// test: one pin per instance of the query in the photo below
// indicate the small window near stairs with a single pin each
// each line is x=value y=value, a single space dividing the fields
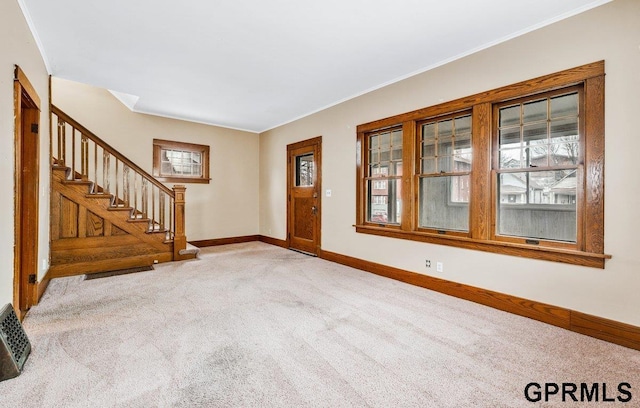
x=178 y=162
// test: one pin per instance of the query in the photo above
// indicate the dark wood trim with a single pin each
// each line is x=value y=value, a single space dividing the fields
x=608 y=330
x=605 y=329
x=480 y=224
x=26 y=191
x=282 y=243
x=26 y=84
x=568 y=256
x=594 y=166
x=159 y=144
x=224 y=241
x=274 y=241
x=520 y=89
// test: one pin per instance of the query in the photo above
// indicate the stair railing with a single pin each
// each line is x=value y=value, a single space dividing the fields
x=92 y=159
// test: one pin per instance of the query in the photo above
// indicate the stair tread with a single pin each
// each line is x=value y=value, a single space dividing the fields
x=77 y=182
x=114 y=208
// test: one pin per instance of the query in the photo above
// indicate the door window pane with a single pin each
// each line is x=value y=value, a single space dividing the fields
x=304 y=170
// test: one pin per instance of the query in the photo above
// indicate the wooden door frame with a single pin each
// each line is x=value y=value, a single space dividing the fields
x=317 y=141
x=26 y=206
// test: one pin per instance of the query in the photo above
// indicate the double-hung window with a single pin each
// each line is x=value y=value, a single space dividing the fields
x=384 y=176
x=539 y=167
x=516 y=170
x=444 y=173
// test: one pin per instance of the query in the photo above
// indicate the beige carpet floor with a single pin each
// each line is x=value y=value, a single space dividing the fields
x=253 y=325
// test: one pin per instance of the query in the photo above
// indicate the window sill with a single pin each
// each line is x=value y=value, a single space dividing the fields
x=568 y=256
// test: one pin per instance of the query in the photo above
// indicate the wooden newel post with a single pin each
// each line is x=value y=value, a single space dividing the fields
x=179 y=237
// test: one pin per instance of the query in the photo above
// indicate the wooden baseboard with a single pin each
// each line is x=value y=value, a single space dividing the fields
x=274 y=241
x=236 y=240
x=224 y=241
x=609 y=330
x=42 y=286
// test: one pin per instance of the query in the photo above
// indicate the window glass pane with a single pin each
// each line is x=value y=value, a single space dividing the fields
x=564 y=154
x=463 y=141
x=564 y=129
x=534 y=111
x=463 y=125
x=537 y=131
x=536 y=156
x=397 y=153
x=429 y=131
x=384 y=201
x=565 y=105
x=444 y=203
x=429 y=148
x=385 y=140
x=538 y=205
x=304 y=170
x=374 y=156
x=444 y=164
x=444 y=145
x=510 y=137
x=510 y=116
x=196 y=157
x=397 y=139
x=510 y=159
x=373 y=142
x=445 y=128
x=462 y=162
x=428 y=166
x=166 y=168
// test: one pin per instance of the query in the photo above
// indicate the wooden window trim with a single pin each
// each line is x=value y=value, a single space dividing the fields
x=159 y=144
x=589 y=252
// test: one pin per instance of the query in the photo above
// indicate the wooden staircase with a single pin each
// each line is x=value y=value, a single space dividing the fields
x=128 y=220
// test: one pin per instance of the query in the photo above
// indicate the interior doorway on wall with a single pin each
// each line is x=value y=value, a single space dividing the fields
x=27 y=148
x=304 y=186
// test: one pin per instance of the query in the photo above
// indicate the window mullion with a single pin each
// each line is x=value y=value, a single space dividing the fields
x=408 y=165
x=480 y=205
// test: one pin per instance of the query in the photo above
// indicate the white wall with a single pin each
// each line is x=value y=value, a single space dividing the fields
x=18 y=47
x=611 y=33
x=227 y=206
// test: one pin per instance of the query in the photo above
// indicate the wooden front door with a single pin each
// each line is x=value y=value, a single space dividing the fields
x=27 y=148
x=303 y=189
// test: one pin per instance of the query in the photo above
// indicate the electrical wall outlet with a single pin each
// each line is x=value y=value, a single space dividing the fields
x=427 y=263
x=439 y=266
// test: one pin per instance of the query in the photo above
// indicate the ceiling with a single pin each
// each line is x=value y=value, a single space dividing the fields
x=254 y=65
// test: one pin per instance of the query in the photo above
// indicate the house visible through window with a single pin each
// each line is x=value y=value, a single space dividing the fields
x=180 y=162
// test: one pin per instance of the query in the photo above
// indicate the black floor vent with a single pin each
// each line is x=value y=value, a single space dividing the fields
x=14 y=344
